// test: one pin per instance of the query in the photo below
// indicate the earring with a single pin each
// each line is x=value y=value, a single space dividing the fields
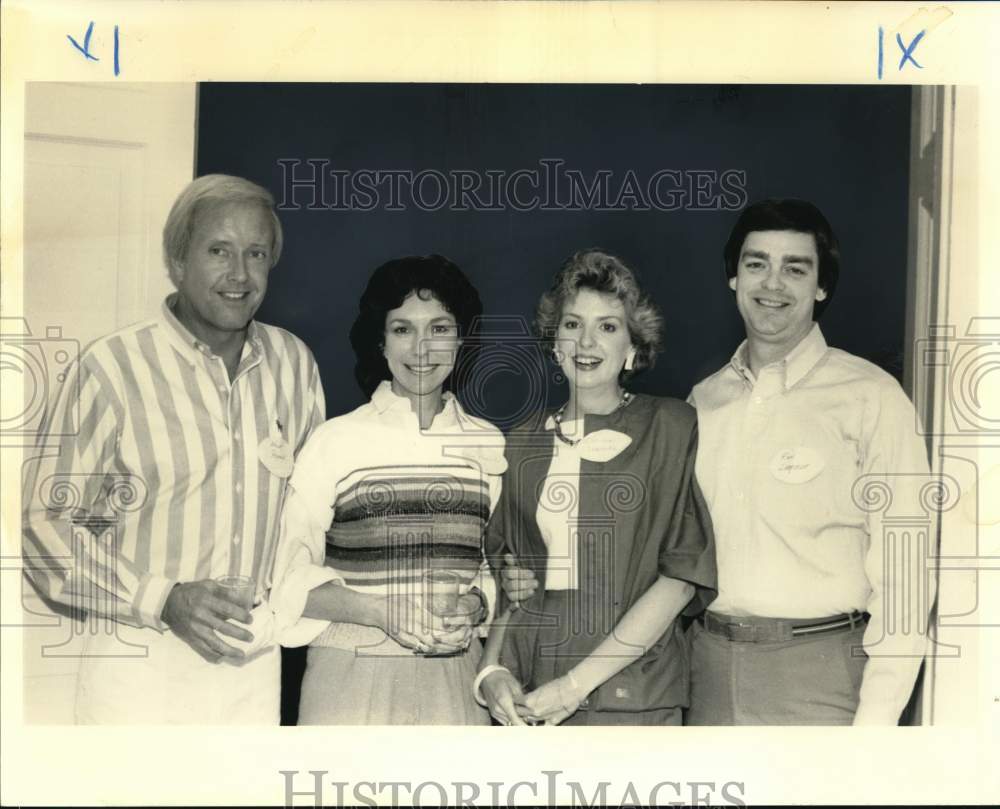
x=630 y=360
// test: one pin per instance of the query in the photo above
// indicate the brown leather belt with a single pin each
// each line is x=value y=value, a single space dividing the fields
x=751 y=629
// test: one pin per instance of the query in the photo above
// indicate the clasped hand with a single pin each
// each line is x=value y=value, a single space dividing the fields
x=198 y=612
x=407 y=622
x=549 y=704
x=554 y=702
x=519 y=583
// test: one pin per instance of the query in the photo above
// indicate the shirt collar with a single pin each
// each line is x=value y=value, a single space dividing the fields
x=796 y=363
x=738 y=362
x=386 y=401
x=191 y=346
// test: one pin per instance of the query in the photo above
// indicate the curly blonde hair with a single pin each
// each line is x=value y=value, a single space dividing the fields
x=600 y=271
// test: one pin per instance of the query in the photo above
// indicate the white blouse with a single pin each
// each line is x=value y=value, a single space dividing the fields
x=559 y=508
x=559 y=500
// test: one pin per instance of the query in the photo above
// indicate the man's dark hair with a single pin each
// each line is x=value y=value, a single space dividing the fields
x=789 y=214
x=431 y=276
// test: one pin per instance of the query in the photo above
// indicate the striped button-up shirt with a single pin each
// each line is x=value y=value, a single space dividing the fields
x=162 y=470
x=816 y=478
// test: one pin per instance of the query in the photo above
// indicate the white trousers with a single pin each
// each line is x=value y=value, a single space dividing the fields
x=141 y=676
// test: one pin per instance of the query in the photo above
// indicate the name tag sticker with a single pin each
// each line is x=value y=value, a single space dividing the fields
x=796 y=465
x=490 y=459
x=603 y=445
x=276 y=454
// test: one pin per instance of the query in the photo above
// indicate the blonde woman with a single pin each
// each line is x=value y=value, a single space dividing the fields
x=602 y=507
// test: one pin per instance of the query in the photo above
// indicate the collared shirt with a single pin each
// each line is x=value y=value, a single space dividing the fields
x=375 y=500
x=797 y=464
x=171 y=458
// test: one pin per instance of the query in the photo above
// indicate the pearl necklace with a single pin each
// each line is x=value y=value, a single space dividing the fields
x=558 y=417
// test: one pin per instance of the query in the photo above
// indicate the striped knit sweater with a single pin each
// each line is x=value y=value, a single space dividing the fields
x=391 y=523
x=375 y=502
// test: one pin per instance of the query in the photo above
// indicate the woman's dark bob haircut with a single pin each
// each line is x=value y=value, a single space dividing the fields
x=431 y=276
x=789 y=214
x=602 y=272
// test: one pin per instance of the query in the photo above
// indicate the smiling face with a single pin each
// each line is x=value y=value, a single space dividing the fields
x=223 y=277
x=421 y=341
x=777 y=285
x=594 y=340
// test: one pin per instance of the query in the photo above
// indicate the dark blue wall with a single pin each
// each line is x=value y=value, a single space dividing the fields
x=844 y=148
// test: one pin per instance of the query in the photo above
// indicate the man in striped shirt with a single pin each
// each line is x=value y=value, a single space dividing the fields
x=188 y=426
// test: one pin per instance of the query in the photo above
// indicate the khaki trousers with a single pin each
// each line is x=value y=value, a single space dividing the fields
x=809 y=680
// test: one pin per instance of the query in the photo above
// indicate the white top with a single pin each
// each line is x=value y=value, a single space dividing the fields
x=559 y=509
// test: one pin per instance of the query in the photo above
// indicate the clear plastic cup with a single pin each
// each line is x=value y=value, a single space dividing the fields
x=440 y=592
x=238 y=589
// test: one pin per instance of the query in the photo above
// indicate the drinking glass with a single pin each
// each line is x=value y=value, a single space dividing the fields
x=238 y=589
x=440 y=592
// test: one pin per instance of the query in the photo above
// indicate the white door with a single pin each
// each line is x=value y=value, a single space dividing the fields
x=954 y=337
x=103 y=163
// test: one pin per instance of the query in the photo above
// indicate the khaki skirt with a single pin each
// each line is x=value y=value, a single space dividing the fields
x=341 y=687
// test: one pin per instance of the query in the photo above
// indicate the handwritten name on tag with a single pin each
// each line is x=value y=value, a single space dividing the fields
x=276 y=455
x=490 y=460
x=796 y=465
x=598 y=447
x=603 y=445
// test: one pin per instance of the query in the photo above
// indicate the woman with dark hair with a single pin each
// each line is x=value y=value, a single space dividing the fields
x=380 y=568
x=602 y=507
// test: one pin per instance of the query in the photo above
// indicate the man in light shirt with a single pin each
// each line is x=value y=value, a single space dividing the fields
x=821 y=616
x=174 y=477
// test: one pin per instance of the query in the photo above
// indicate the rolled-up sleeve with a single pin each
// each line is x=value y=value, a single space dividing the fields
x=298 y=568
x=687 y=551
x=299 y=563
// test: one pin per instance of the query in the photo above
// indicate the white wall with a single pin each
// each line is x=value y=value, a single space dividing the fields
x=102 y=166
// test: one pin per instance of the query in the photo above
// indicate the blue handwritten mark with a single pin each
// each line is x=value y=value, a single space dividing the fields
x=85 y=50
x=117 y=69
x=908 y=51
x=880 y=35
